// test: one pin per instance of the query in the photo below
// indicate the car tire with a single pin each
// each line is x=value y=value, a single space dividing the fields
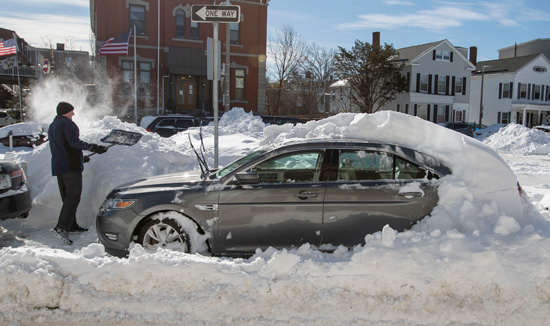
x=174 y=232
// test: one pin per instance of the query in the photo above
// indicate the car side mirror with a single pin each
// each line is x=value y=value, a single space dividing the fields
x=247 y=178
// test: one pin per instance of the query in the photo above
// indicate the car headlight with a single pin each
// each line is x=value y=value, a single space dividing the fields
x=118 y=203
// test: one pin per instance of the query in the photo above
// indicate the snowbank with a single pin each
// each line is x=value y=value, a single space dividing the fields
x=466 y=264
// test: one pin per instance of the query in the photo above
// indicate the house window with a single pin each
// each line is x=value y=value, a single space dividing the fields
x=506 y=90
x=443 y=55
x=441 y=85
x=235 y=33
x=458 y=115
x=440 y=113
x=422 y=111
x=536 y=92
x=523 y=91
x=180 y=23
x=239 y=84
x=145 y=72
x=127 y=76
x=458 y=86
x=504 y=117
x=194 y=31
x=424 y=83
x=137 y=18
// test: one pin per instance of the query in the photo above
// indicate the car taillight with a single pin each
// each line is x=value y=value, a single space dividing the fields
x=147 y=129
x=16 y=173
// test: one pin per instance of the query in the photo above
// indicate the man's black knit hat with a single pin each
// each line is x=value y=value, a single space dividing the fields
x=64 y=108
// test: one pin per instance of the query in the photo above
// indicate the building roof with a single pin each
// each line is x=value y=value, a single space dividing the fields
x=505 y=65
x=538 y=40
x=412 y=52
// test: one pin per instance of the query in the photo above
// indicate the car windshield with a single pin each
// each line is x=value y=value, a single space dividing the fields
x=235 y=164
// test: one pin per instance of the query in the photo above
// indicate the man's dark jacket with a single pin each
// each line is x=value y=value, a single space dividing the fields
x=66 y=146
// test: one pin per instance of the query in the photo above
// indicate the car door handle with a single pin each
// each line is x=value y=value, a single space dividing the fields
x=305 y=194
x=411 y=194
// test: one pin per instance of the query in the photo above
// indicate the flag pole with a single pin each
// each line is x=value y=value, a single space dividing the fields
x=135 y=78
x=18 y=76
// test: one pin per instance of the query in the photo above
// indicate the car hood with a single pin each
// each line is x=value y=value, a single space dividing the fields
x=165 y=182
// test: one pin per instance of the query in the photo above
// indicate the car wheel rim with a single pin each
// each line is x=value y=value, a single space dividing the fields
x=164 y=236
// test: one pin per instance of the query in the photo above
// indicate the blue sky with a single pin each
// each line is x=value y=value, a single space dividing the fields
x=489 y=25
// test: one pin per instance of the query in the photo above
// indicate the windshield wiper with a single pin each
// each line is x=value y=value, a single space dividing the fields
x=205 y=171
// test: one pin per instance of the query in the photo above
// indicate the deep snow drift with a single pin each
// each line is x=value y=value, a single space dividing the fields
x=467 y=264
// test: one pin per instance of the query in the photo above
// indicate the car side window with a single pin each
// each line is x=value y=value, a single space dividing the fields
x=166 y=123
x=291 y=168
x=406 y=170
x=364 y=165
x=184 y=123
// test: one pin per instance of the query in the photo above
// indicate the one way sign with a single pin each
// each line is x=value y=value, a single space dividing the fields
x=219 y=14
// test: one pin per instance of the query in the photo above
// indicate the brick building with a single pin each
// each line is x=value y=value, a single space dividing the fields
x=171 y=55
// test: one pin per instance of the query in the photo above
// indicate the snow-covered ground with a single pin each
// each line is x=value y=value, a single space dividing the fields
x=467 y=264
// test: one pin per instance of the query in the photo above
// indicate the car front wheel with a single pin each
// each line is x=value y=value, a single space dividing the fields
x=164 y=233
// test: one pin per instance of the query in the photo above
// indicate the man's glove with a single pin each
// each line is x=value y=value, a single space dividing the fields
x=98 y=149
x=86 y=159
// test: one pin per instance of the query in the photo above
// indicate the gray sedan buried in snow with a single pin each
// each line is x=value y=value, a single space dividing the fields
x=325 y=193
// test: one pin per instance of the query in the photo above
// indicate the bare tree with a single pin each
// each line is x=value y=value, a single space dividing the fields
x=286 y=50
x=318 y=69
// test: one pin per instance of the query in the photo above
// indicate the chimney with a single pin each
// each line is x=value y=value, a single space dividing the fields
x=473 y=55
x=376 y=38
x=60 y=47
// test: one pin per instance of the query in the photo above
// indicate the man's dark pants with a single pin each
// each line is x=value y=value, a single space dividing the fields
x=70 y=188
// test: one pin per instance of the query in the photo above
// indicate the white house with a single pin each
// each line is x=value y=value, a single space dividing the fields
x=438 y=76
x=515 y=89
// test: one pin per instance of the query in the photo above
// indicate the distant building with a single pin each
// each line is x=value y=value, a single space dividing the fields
x=438 y=75
x=515 y=89
x=171 y=55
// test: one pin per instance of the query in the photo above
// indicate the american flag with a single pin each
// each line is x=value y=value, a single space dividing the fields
x=8 y=47
x=117 y=45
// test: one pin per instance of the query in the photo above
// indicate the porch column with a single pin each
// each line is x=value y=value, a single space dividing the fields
x=524 y=117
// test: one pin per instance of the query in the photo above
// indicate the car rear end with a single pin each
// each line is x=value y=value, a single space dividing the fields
x=15 y=195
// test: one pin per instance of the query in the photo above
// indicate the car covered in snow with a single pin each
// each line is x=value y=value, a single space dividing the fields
x=15 y=194
x=27 y=134
x=322 y=192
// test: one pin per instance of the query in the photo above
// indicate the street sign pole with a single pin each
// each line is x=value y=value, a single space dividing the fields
x=215 y=93
x=215 y=14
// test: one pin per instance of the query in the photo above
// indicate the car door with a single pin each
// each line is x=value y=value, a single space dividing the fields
x=284 y=210
x=373 y=189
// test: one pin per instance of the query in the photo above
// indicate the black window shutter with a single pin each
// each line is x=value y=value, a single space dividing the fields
x=406 y=108
x=429 y=84
x=511 y=90
x=453 y=84
x=528 y=91
x=436 y=85
x=463 y=85
x=519 y=90
x=447 y=78
x=499 y=90
x=416 y=110
x=418 y=83
x=498 y=118
x=451 y=56
x=428 y=113
x=447 y=112
x=434 y=54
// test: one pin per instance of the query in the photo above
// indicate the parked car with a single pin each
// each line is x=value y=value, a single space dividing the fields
x=27 y=134
x=326 y=193
x=5 y=118
x=542 y=128
x=169 y=125
x=462 y=127
x=279 y=120
x=15 y=195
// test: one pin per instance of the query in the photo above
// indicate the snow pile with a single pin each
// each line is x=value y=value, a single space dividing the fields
x=469 y=263
x=517 y=139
